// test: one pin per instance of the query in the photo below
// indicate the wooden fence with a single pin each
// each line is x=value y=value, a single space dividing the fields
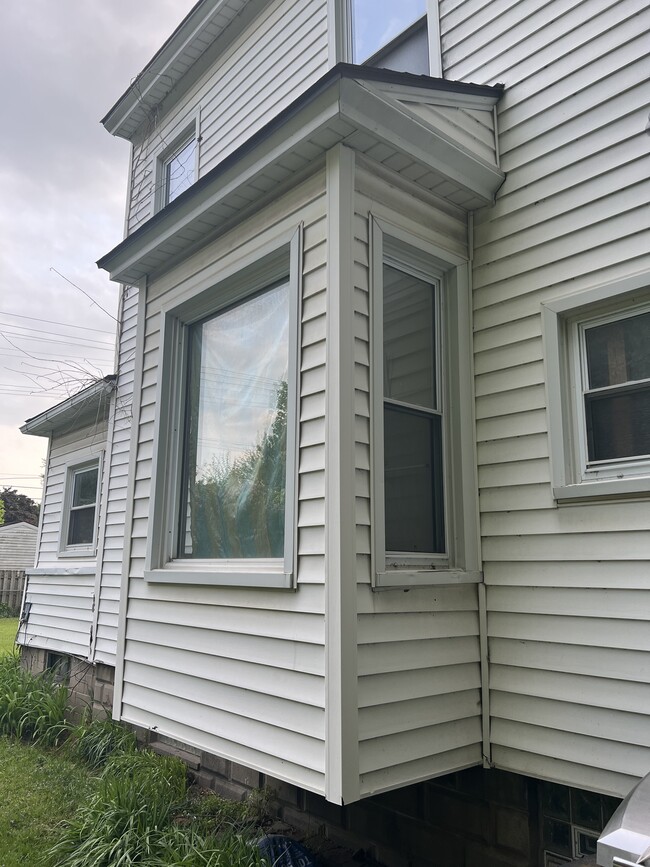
x=12 y=584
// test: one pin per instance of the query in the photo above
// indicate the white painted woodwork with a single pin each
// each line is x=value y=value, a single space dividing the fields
x=282 y=51
x=567 y=587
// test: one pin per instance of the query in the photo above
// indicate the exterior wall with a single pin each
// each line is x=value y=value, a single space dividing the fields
x=419 y=675
x=278 y=56
x=568 y=587
x=116 y=472
x=238 y=672
x=60 y=591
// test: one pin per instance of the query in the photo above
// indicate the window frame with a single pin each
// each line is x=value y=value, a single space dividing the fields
x=461 y=561
x=84 y=549
x=161 y=563
x=341 y=48
x=563 y=325
x=189 y=133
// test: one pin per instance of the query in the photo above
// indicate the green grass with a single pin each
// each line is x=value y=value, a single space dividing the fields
x=8 y=630
x=39 y=790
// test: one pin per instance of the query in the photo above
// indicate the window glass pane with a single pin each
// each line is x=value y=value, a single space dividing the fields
x=179 y=171
x=376 y=22
x=409 y=339
x=81 y=527
x=413 y=481
x=618 y=425
x=618 y=352
x=237 y=424
x=85 y=487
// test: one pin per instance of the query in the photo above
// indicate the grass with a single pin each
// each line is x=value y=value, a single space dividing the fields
x=39 y=791
x=8 y=630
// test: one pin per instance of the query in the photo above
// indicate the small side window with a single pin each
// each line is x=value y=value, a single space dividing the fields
x=597 y=356
x=179 y=170
x=79 y=524
x=376 y=25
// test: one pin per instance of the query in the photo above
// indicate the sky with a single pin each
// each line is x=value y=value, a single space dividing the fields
x=63 y=180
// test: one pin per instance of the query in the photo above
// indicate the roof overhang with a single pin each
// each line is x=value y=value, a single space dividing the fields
x=356 y=106
x=84 y=408
x=200 y=28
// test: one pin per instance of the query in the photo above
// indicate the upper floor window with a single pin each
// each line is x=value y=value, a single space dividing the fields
x=178 y=170
x=79 y=524
x=377 y=23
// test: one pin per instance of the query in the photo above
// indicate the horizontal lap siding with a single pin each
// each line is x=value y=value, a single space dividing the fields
x=240 y=672
x=113 y=542
x=418 y=652
x=568 y=587
x=277 y=57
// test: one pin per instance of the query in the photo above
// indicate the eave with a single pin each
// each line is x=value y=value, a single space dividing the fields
x=86 y=407
x=344 y=107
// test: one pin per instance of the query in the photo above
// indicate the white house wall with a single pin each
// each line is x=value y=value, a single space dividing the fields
x=419 y=672
x=61 y=589
x=275 y=59
x=116 y=470
x=239 y=672
x=568 y=588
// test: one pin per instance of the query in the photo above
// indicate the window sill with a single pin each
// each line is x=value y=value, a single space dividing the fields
x=603 y=489
x=404 y=578
x=79 y=553
x=263 y=576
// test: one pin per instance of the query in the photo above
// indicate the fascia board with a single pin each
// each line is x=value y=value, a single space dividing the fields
x=60 y=416
x=388 y=121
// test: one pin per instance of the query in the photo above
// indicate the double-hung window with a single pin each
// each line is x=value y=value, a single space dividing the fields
x=597 y=355
x=424 y=484
x=225 y=469
x=79 y=525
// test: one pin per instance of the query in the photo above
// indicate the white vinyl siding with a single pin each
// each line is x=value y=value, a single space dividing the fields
x=239 y=672
x=568 y=587
x=61 y=591
x=419 y=674
x=117 y=465
x=275 y=59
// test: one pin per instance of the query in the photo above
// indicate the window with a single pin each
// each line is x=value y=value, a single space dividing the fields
x=598 y=374
x=178 y=170
x=377 y=24
x=225 y=469
x=424 y=489
x=78 y=531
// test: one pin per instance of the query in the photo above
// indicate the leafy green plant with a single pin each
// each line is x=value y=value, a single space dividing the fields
x=98 y=740
x=191 y=848
x=32 y=707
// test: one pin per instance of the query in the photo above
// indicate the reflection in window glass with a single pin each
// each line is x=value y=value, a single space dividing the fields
x=235 y=452
x=413 y=450
x=375 y=23
x=81 y=520
x=179 y=171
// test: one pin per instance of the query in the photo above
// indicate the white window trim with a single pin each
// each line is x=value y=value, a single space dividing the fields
x=78 y=465
x=340 y=34
x=570 y=478
x=189 y=132
x=461 y=563
x=161 y=566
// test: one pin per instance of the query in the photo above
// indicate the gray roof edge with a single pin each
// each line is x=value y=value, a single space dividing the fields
x=45 y=422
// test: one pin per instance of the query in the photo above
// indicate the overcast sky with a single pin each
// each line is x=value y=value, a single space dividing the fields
x=63 y=63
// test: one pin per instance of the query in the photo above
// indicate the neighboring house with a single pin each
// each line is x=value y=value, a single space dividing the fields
x=17 y=546
x=373 y=507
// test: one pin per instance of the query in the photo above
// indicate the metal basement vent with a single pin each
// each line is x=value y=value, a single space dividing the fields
x=625 y=842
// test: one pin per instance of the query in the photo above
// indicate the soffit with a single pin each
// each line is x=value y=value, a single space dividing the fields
x=348 y=107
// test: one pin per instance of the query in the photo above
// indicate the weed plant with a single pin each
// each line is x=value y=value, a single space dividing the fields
x=96 y=741
x=31 y=707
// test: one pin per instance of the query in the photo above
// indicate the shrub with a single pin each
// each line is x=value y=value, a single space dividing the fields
x=32 y=707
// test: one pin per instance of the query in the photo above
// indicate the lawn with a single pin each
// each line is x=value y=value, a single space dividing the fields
x=8 y=630
x=38 y=789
